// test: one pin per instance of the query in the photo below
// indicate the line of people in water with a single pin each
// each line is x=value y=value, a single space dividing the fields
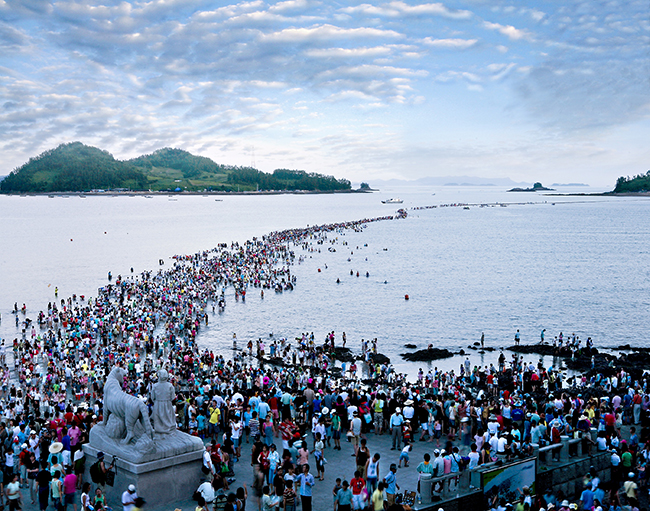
x=154 y=320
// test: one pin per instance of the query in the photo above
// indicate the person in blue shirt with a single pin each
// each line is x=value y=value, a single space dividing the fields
x=390 y=480
x=395 y=425
x=344 y=498
x=305 y=481
x=248 y=415
x=587 y=499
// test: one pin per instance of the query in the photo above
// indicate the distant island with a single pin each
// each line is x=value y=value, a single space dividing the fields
x=76 y=167
x=537 y=187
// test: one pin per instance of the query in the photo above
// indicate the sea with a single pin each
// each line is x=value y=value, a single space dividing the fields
x=484 y=260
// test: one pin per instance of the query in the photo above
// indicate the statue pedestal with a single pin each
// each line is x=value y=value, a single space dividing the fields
x=168 y=473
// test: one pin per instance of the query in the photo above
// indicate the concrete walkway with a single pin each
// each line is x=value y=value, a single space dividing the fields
x=339 y=464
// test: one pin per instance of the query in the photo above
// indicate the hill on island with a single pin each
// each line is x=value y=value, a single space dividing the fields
x=640 y=183
x=76 y=167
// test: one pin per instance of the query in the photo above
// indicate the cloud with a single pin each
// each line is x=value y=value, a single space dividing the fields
x=398 y=8
x=508 y=30
x=325 y=33
x=12 y=38
x=364 y=52
x=459 y=44
x=135 y=75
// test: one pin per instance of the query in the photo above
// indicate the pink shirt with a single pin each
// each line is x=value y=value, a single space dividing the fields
x=69 y=484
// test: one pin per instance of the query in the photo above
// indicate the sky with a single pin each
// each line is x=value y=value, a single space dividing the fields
x=534 y=91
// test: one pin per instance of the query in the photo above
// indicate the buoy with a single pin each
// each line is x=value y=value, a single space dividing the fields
x=318 y=270
x=406 y=297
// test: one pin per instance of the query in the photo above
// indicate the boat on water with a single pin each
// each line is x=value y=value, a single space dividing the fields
x=392 y=201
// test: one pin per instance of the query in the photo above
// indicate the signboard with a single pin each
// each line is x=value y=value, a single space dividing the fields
x=502 y=482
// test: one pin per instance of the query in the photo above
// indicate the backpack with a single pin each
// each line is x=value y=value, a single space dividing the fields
x=96 y=473
x=555 y=435
x=220 y=501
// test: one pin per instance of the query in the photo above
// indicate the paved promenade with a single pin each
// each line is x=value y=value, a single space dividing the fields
x=339 y=464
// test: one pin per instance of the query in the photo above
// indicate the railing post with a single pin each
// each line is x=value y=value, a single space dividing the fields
x=564 y=451
x=535 y=450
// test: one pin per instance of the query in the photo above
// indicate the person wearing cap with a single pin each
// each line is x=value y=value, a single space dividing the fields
x=395 y=425
x=355 y=429
x=630 y=488
x=103 y=469
x=438 y=463
x=128 y=498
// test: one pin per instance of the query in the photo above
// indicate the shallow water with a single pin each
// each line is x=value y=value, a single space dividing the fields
x=580 y=265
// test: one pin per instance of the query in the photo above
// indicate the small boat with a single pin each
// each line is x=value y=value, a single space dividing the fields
x=392 y=201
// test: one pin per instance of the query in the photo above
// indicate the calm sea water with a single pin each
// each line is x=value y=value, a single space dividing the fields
x=565 y=264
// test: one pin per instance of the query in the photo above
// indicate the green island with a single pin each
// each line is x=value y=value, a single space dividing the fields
x=76 y=167
x=638 y=184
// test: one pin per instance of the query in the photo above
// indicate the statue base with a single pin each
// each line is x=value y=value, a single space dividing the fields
x=161 y=481
x=145 y=450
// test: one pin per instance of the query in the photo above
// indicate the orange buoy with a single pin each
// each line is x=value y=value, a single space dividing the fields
x=406 y=297
x=318 y=270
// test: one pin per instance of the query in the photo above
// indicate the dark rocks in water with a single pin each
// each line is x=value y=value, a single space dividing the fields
x=378 y=358
x=550 y=350
x=481 y=350
x=410 y=346
x=477 y=343
x=608 y=365
x=427 y=355
x=343 y=354
x=461 y=352
x=627 y=347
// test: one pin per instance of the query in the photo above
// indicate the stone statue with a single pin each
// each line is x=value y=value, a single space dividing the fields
x=123 y=412
x=127 y=432
x=163 y=395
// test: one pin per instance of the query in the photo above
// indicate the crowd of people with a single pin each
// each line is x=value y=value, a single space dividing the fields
x=291 y=411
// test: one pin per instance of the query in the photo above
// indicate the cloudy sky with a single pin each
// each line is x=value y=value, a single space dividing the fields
x=545 y=90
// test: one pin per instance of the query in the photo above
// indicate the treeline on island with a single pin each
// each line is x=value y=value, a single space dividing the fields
x=76 y=167
x=640 y=183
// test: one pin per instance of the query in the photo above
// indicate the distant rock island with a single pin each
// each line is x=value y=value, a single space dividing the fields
x=76 y=167
x=537 y=187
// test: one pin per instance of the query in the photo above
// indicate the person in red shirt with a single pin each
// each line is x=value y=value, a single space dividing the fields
x=287 y=429
x=357 y=484
x=610 y=421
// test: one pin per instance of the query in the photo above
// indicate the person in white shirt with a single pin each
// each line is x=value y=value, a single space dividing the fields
x=473 y=457
x=206 y=490
x=128 y=498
